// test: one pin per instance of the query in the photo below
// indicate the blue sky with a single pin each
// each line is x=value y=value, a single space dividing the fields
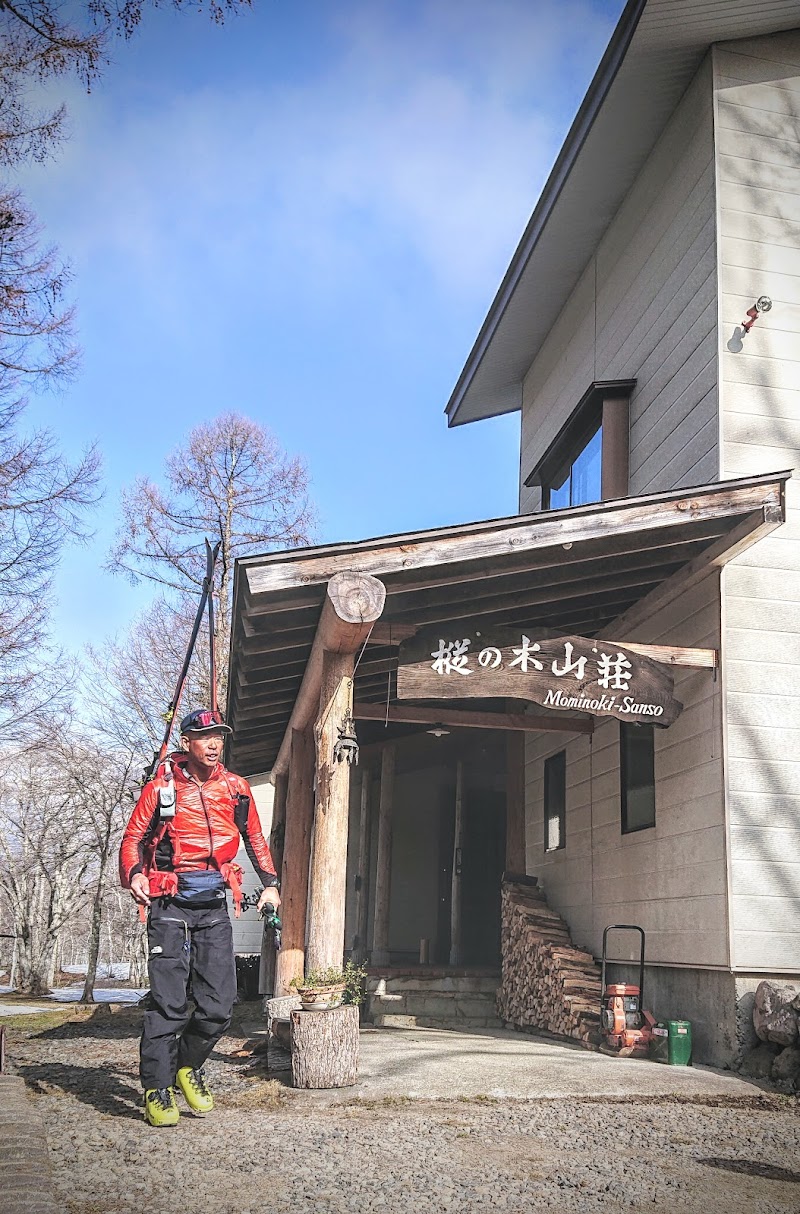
x=304 y=215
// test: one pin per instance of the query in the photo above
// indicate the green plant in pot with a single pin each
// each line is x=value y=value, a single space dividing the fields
x=322 y=989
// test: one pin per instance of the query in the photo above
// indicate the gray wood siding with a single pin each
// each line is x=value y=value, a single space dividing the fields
x=671 y=878
x=757 y=119
x=654 y=317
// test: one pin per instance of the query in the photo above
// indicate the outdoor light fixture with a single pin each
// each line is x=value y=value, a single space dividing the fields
x=762 y=304
x=345 y=748
x=438 y=731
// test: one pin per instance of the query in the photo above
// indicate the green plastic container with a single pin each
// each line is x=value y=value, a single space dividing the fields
x=672 y=1042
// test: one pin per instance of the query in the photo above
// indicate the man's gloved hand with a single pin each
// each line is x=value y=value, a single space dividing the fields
x=140 y=888
x=270 y=894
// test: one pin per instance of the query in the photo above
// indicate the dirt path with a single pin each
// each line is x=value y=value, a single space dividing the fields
x=266 y=1148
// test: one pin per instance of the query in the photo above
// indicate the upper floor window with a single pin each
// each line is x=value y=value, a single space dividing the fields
x=579 y=482
x=588 y=459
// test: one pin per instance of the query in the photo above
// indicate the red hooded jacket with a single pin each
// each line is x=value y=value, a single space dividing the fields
x=210 y=819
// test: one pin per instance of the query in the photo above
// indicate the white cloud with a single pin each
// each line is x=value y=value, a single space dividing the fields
x=428 y=136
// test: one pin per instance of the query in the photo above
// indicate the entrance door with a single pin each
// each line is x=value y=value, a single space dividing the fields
x=482 y=865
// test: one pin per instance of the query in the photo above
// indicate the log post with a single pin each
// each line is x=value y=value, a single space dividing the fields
x=329 y=859
x=296 y=858
x=266 y=970
x=352 y=603
x=515 y=802
x=455 y=889
x=383 y=874
x=362 y=869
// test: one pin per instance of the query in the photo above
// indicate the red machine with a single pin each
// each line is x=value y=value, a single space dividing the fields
x=625 y=1027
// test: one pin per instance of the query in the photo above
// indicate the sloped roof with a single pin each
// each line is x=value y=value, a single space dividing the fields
x=653 y=54
x=575 y=570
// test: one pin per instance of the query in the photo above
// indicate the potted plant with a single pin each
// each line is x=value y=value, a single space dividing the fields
x=322 y=989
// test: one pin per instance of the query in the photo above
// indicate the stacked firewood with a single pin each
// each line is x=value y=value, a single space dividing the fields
x=546 y=982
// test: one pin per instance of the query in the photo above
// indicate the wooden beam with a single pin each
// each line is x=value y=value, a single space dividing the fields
x=484 y=540
x=455 y=883
x=567 y=569
x=412 y=714
x=352 y=604
x=672 y=655
x=515 y=803
x=415 y=585
x=383 y=874
x=266 y=969
x=384 y=632
x=753 y=527
x=296 y=859
x=472 y=602
x=362 y=867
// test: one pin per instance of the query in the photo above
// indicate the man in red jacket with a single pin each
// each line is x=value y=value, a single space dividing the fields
x=175 y=858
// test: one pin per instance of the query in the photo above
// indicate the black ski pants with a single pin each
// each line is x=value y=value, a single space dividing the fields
x=191 y=955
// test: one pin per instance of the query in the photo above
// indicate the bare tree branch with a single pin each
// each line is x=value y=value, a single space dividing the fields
x=231 y=481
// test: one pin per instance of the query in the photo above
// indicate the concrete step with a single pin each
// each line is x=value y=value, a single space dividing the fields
x=387 y=1020
x=436 y=1001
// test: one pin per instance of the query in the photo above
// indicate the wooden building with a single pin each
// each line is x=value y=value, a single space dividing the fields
x=658 y=522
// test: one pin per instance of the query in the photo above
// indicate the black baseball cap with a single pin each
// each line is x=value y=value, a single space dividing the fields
x=204 y=720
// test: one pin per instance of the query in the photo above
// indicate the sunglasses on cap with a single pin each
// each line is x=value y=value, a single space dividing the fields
x=203 y=718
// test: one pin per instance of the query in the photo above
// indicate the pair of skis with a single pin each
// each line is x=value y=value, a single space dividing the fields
x=206 y=604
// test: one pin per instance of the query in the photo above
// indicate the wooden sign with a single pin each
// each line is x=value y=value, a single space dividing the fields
x=567 y=672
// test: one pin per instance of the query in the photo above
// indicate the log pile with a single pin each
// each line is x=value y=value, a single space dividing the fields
x=546 y=982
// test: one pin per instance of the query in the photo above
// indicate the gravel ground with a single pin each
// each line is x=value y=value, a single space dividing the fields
x=268 y=1148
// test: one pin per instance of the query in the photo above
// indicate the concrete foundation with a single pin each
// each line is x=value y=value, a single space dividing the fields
x=707 y=998
x=718 y=1003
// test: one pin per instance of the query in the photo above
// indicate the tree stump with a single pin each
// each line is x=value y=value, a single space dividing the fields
x=325 y=1048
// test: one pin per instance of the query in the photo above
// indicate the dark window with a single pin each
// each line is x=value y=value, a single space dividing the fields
x=637 y=777
x=575 y=469
x=578 y=482
x=555 y=801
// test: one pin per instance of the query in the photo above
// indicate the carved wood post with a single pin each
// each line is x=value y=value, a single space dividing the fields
x=383 y=874
x=515 y=802
x=329 y=859
x=362 y=869
x=296 y=856
x=455 y=889
x=352 y=604
x=266 y=970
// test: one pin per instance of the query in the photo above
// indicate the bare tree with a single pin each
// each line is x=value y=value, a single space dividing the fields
x=45 y=862
x=43 y=503
x=36 y=324
x=230 y=480
x=42 y=497
x=43 y=39
x=100 y=783
x=63 y=806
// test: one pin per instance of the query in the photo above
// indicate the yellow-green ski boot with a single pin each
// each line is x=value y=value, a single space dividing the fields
x=161 y=1107
x=194 y=1087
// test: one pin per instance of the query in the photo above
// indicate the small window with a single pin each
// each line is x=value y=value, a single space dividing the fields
x=579 y=482
x=637 y=777
x=587 y=460
x=555 y=802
